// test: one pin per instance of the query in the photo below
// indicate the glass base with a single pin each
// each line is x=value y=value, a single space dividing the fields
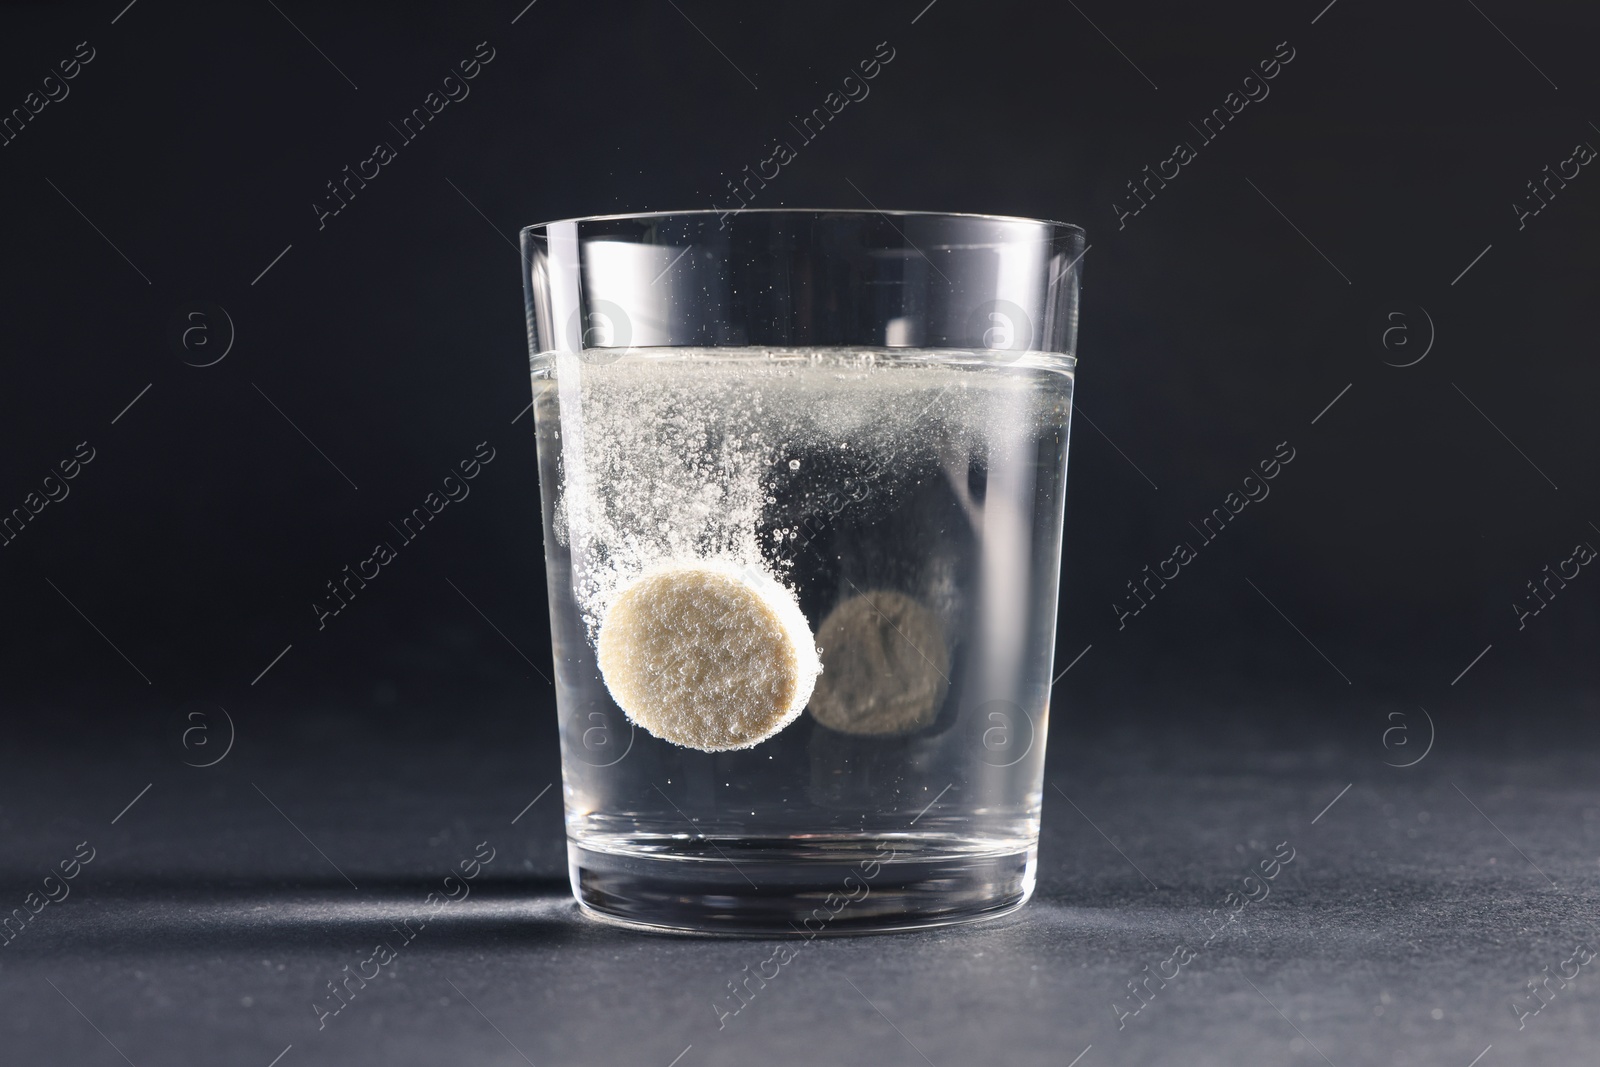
x=799 y=887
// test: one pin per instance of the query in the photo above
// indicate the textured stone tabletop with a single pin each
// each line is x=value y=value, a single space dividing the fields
x=1417 y=905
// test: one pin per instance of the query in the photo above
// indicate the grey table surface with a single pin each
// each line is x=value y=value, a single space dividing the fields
x=1419 y=903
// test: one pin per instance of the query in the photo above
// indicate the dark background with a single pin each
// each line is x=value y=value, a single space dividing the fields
x=1251 y=292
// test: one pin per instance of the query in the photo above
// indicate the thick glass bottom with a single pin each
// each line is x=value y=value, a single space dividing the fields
x=799 y=887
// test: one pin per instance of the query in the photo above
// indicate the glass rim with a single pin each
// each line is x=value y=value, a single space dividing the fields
x=858 y=211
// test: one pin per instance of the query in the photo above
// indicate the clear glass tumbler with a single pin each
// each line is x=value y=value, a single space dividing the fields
x=802 y=478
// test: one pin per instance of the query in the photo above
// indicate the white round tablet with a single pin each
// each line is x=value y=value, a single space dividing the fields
x=708 y=655
x=887 y=668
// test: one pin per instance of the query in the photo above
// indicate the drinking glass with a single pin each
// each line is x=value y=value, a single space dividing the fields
x=804 y=470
